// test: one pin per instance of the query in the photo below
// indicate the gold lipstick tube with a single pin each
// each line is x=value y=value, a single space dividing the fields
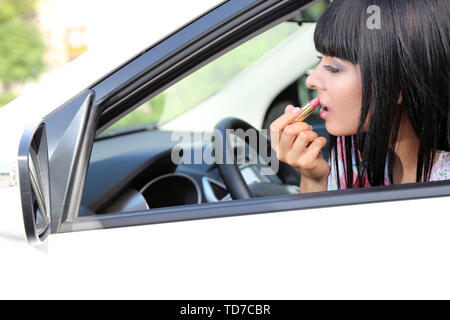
x=307 y=110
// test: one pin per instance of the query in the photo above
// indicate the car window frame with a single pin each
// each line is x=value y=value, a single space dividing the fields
x=275 y=204
x=132 y=87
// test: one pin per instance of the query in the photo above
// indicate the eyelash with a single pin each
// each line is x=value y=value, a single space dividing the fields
x=328 y=67
x=331 y=69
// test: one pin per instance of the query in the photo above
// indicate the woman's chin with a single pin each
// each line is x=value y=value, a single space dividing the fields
x=338 y=130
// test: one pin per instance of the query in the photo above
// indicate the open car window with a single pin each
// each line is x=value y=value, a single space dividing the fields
x=253 y=82
x=157 y=163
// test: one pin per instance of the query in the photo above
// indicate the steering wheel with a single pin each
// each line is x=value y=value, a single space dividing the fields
x=231 y=173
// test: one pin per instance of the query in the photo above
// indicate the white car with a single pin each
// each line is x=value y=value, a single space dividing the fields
x=89 y=184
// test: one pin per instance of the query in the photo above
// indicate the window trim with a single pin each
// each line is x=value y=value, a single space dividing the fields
x=171 y=44
x=302 y=201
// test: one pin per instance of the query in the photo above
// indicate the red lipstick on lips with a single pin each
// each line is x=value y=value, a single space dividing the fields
x=307 y=109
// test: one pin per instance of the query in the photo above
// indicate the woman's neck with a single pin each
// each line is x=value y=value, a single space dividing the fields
x=406 y=153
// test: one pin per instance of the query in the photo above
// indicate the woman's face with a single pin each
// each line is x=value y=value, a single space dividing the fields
x=339 y=87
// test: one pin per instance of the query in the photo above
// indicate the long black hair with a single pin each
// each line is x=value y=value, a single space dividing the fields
x=407 y=53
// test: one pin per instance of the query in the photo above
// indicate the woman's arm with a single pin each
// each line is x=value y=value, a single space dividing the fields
x=308 y=185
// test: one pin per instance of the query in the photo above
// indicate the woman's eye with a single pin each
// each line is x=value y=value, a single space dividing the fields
x=331 y=69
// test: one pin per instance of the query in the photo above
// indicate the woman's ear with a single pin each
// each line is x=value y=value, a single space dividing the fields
x=400 y=98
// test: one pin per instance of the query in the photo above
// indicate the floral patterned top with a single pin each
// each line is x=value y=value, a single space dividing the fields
x=440 y=170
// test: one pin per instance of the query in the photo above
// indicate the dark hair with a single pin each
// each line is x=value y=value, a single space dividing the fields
x=409 y=53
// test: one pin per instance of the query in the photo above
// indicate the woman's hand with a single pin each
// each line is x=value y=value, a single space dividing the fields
x=299 y=146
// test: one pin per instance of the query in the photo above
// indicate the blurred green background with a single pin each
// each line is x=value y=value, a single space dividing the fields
x=21 y=47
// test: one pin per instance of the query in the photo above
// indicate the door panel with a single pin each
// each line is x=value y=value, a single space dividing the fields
x=389 y=250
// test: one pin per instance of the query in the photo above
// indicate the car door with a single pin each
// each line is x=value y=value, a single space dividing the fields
x=379 y=242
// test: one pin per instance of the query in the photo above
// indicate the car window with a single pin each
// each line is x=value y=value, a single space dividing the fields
x=170 y=163
x=249 y=82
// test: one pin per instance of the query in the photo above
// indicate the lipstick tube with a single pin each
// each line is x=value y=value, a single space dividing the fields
x=307 y=109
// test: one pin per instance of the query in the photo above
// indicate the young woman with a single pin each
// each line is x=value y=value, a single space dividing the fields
x=385 y=96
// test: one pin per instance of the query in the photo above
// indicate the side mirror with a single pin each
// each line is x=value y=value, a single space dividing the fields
x=61 y=158
x=34 y=181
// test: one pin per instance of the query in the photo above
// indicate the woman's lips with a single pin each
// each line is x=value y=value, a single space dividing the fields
x=324 y=111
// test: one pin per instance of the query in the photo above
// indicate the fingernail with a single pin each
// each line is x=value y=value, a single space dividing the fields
x=296 y=110
x=288 y=108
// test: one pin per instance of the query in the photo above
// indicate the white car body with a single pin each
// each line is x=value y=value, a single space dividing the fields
x=384 y=250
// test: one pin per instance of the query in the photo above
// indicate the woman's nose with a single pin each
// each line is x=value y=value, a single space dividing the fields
x=314 y=82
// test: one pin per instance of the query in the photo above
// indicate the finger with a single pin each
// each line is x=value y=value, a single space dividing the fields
x=282 y=121
x=313 y=152
x=302 y=140
x=291 y=132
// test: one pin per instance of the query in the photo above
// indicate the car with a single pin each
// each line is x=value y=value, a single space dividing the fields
x=115 y=179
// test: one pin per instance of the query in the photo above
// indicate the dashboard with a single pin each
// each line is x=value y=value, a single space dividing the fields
x=136 y=171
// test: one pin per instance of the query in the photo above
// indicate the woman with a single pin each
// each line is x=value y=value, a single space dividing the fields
x=385 y=96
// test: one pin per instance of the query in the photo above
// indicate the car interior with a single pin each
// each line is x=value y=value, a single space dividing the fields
x=132 y=163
